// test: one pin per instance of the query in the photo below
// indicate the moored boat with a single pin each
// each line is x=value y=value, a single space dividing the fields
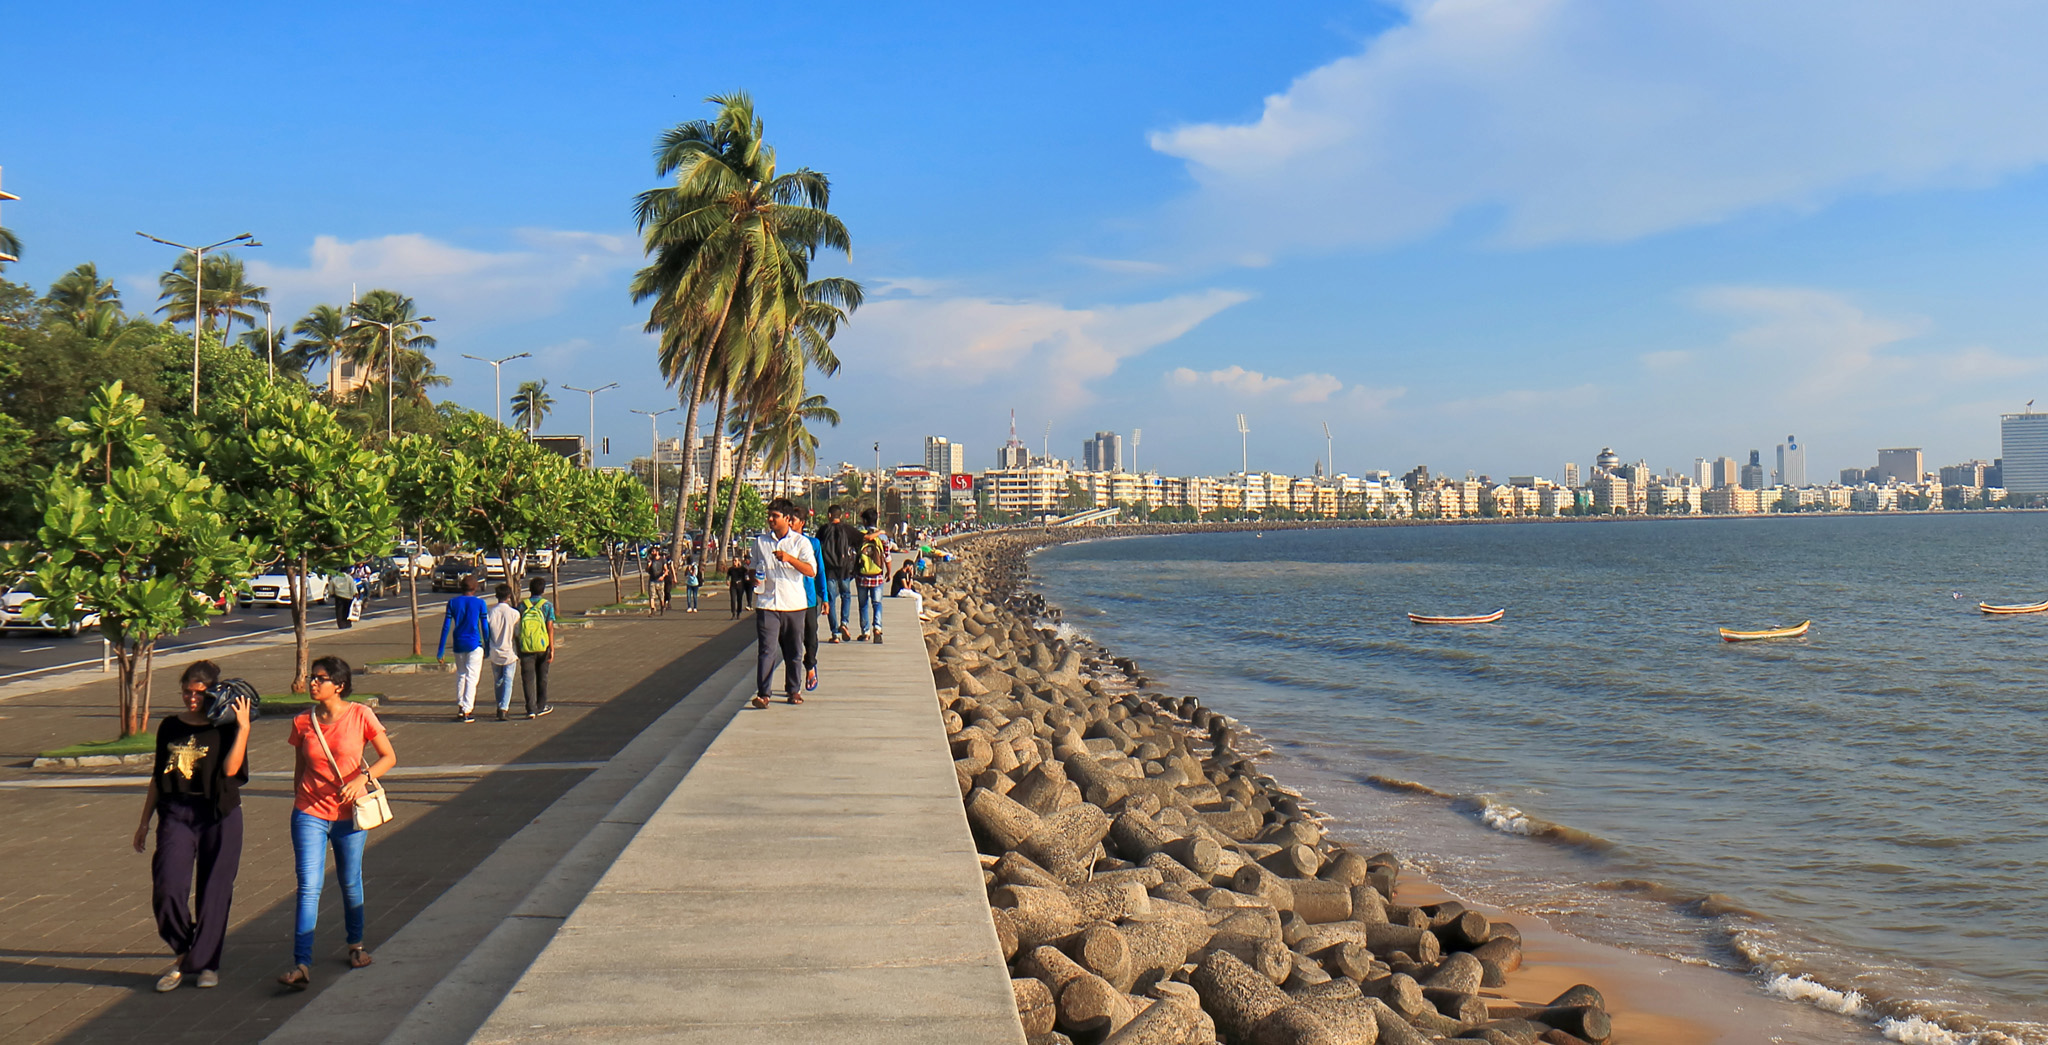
x=1793 y=632
x=1483 y=618
x=2002 y=611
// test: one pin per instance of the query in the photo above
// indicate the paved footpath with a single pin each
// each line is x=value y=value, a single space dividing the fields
x=78 y=948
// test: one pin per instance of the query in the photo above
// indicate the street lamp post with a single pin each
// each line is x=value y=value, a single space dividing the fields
x=391 y=368
x=879 y=521
x=591 y=449
x=246 y=239
x=498 y=379
x=654 y=448
x=269 y=340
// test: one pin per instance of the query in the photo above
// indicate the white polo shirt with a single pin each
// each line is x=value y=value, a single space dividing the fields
x=782 y=585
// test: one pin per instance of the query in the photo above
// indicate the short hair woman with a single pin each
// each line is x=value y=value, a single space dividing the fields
x=195 y=795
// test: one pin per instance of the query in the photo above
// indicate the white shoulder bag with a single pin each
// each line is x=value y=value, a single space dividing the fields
x=373 y=809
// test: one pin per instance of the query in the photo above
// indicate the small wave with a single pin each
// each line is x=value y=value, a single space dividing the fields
x=1820 y=996
x=1705 y=905
x=1069 y=633
x=1397 y=784
x=1511 y=821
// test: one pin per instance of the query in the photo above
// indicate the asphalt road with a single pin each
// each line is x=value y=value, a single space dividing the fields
x=25 y=654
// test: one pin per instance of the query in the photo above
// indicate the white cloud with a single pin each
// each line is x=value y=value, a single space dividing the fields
x=1607 y=120
x=1670 y=359
x=1307 y=388
x=481 y=285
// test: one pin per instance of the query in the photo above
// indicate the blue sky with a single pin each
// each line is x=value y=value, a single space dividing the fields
x=1479 y=234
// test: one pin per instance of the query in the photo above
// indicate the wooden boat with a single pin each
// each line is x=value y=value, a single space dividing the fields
x=1483 y=618
x=1793 y=632
x=1997 y=611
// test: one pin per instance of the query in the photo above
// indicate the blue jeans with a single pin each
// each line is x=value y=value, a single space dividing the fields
x=838 y=602
x=502 y=678
x=690 y=597
x=870 y=595
x=310 y=838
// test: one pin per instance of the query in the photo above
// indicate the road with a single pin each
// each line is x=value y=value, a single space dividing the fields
x=27 y=654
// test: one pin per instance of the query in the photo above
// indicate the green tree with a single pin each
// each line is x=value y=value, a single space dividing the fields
x=10 y=247
x=619 y=516
x=304 y=488
x=750 y=513
x=135 y=534
x=323 y=335
x=531 y=404
x=427 y=492
x=81 y=298
x=1077 y=498
x=228 y=294
x=507 y=490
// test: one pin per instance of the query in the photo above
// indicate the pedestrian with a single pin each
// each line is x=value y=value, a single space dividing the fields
x=693 y=579
x=814 y=591
x=784 y=562
x=842 y=551
x=668 y=583
x=872 y=572
x=329 y=777
x=468 y=623
x=195 y=794
x=504 y=658
x=536 y=648
x=903 y=585
x=342 y=591
x=737 y=580
x=654 y=568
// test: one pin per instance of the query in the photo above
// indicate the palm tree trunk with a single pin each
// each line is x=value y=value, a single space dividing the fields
x=732 y=503
x=711 y=480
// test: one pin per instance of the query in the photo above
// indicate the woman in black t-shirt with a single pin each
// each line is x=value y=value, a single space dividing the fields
x=739 y=585
x=195 y=795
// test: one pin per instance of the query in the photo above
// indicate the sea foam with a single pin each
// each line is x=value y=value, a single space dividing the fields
x=1799 y=988
x=1915 y=1031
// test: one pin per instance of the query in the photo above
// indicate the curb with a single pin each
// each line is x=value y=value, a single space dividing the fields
x=142 y=759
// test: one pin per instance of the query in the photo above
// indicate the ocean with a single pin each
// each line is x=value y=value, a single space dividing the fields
x=1856 y=820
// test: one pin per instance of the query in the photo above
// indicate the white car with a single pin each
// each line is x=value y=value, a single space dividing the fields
x=494 y=567
x=12 y=619
x=421 y=563
x=272 y=589
x=541 y=559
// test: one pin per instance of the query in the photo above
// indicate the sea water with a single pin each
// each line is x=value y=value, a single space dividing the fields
x=1857 y=819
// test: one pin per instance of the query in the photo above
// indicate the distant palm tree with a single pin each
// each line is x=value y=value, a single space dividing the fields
x=80 y=294
x=226 y=288
x=324 y=335
x=530 y=405
x=10 y=246
x=367 y=344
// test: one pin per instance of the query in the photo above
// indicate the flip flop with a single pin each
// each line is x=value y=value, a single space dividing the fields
x=811 y=679
x=758 y=702
x=358 y=957
x=298 y=978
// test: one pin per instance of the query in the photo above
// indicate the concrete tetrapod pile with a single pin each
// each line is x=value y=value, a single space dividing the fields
x=1150 y=886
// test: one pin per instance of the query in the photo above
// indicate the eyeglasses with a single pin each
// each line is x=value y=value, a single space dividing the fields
x=319 y=678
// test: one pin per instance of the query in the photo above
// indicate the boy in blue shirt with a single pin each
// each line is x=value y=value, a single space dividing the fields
x=468 y=623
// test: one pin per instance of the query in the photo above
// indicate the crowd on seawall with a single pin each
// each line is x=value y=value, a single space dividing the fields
x=1150 y=885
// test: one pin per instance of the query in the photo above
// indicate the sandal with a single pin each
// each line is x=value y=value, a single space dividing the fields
x=796 y=698
x=358 y=957
x=298 y=978
x=758 y=702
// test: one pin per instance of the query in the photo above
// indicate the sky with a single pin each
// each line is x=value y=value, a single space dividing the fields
x=1484 y=235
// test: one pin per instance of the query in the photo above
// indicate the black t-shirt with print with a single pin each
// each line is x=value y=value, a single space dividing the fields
x=190 y=760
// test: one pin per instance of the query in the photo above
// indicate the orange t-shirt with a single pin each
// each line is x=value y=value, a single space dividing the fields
x=318 y=789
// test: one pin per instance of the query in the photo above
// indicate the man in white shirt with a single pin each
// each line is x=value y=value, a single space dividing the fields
x=783 y=562
x=504 y=621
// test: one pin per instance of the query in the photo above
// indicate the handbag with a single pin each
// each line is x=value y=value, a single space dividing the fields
x=355 y=608
x=373 y=809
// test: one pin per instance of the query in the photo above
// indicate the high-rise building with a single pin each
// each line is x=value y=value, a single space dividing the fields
x=1725 y=472
x=1702 y=472
x=1606 y=460
x=1969 y=475
x=1855 y=476
x=2023 y=461
x=943 y=457
x=1104 y=453
x=1753 y=472
x=1013 y=454
x=1901 y=464
x=1571 y=475
x=1791 y=462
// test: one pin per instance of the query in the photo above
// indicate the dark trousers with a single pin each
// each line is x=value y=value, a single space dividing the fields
x=533 y=680
x=189 y=834
x=739 y=599
x=811 y=639
x=781 y=633
x=341 y=612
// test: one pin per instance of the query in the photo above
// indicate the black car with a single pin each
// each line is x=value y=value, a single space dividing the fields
x=449 y=574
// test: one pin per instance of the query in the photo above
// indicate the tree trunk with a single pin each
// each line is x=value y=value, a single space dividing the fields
x=611 y=558
x=692 y=395
x=125 y=694
x=297 y=584
x=711 y=479
x=732 y=503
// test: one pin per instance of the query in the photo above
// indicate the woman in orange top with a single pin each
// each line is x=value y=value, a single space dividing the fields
x=323 y=810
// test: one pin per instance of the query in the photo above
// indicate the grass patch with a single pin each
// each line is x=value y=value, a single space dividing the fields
x=302 y=701
x=409 y=658
x=629 y=604
x=139 y=744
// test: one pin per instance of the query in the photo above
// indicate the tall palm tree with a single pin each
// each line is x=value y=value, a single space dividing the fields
x=226 y=288
x=730 y=244
x=80 y=296
x=530 y=405
x=324 y=336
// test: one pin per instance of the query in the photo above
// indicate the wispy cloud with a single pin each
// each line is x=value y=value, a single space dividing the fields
x=1306 y=388
x=482 y=285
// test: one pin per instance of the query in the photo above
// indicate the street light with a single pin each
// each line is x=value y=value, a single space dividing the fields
x=1244 y=467
x=498 y=379
x=592 y=393
x=247 y=239
x=269 y=340
x=391 y=366
x=654 y=447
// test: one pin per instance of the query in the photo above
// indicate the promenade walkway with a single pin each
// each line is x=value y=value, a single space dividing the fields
x=812 y=879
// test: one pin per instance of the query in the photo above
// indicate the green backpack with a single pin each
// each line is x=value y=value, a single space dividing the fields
x=533 y=626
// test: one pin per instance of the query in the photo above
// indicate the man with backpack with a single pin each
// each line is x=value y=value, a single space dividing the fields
x=536 y=641
x=871 y=573
x=840 y=545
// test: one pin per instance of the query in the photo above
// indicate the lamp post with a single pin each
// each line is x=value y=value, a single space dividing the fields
x=654 y=448
x=879 y=521
x=391 y=368
x=1244 y=467
x=246 y=239
x=498 y=380
x=591 y=449
x=269 y=340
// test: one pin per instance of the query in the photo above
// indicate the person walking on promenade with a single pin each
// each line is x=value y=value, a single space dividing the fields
x=784 y=561
x=668 y=584
x=842 y=544
x=326 y=782
x=737 y=580
x=693 y=579
x=468 y=623
x=655 y=562
x=342 y=591
x=536 y=648
x=872 y=572
x=195 y=794
x=814 y=591
x=505 y=669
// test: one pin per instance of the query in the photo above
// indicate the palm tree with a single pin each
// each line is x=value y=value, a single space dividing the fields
x=80 y=296
x=10 y=246
x=530 y=405
x=368 y=344
x=730 y=244
x=324 y=336
x=226 y=288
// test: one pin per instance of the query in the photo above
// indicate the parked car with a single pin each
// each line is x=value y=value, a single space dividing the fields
x=494 y=567
x=449 y=574
x=412 y=557
x=540 y=559
x=272 y=589
x=13 y=619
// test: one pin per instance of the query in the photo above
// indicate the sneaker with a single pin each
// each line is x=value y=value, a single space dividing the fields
x=878 y=636
x=464 y=716
x=171 y=978
x=209 y=978
x=501 y=714
x=549 y=710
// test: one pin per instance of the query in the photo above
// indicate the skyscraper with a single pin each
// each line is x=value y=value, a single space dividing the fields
x=2023 y=466
x=1753 y=472
x=1726 y=472
x=1104 y=453
x=943 y=457
x=1901 y=464
x=1571 y=475
x=1013 y=454
x=1791 y=462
